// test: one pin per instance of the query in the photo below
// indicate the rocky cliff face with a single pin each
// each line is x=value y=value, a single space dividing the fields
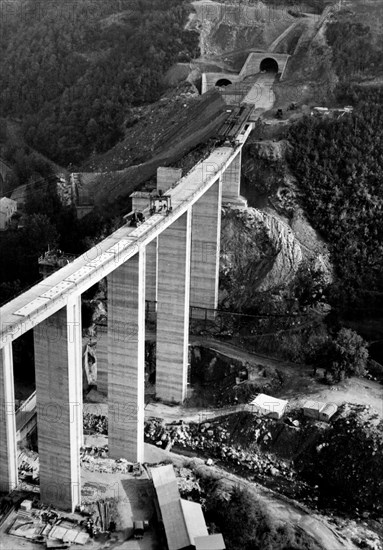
x=263 y=248
x=258 y=249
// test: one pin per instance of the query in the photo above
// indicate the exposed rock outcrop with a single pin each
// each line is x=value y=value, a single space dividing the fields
x=258 y=251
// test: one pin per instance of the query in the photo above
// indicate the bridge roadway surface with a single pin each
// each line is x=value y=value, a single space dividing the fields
x=50 y=295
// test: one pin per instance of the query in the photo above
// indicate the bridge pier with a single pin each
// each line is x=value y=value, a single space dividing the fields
x=58 y=366
x=151 y=271
x=174 y=245
x=8 y=445
x=126 y=368
x=231 y=180
x=205 y=250
x=102 y=358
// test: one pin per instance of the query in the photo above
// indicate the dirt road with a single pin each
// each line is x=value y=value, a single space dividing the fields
x=261 y=94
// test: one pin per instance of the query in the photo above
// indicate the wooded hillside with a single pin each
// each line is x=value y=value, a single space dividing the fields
x=71 y=71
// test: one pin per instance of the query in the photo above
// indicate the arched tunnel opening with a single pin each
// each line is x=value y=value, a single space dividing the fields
x=223 y=82
x=269 y=65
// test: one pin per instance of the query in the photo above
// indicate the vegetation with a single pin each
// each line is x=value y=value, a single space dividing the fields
x=246 y=525
x=347 y=355
x=73 y=71
x=46 y=223
x=343 y=356
x=346 y=462
x=354 y=51
x=339 y=169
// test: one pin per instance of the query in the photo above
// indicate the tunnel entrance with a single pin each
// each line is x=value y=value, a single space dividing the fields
x=223 y=82
x=269 y=65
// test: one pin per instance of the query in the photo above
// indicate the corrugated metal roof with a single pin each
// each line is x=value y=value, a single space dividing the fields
x=183 y=520
x=211 y=542
x=194 y=519
x=165 y=484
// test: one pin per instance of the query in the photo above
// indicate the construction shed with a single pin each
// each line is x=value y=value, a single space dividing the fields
x=319 y=410
x=268 y=405
x=311 y=408
x=327 y=411
x=183 y=520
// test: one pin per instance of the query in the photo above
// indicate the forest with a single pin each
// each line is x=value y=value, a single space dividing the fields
x=339 y=166
x=72 y=71
x=355 y=51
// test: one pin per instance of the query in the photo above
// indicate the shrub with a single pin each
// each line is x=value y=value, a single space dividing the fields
x=347 y=355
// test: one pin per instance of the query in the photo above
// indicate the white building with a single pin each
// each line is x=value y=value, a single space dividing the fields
x=267 y=405
x=7 y=208
x=319 y=410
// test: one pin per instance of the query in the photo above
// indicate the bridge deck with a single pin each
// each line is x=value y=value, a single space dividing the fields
x=45 y=298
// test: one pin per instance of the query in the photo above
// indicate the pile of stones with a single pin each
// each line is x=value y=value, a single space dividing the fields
x=215 y=441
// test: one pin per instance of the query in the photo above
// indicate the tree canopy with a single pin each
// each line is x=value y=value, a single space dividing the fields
x=338 y=164
x=72 y=70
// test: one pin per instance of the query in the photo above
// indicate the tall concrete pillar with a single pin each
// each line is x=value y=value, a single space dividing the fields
x=58 y=367
x=174 y=246
x=151 y=271
x=102 y=358
x=8 y=446
x=126 y=369
x=231 y=179
x=205 y=249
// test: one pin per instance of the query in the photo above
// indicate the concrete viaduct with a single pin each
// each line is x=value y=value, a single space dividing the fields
x=173 y=259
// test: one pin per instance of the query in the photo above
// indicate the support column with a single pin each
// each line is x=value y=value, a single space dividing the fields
x=231 y=180
x=8 y=446
x=151 y=271
x=205 y=249
x=58 y=366
x=102 y=358
x=174 y=246
x=126 y=370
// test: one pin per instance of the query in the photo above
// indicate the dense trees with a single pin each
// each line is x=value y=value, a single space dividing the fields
x=347 y=354
x=343 y=356
x=346 y=462
x=354 y=51
x=73 y=70
x=339 y=168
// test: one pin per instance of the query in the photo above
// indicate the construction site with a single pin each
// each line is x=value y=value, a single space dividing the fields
x=147 y=392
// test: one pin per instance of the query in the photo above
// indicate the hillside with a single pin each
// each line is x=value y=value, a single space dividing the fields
x=73 y=73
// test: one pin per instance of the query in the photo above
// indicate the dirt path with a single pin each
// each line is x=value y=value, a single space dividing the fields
x=261 y=94
x=279 y=39
x=300 y=384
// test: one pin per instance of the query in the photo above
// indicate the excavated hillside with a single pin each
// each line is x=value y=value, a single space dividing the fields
x=264 y=245
x=229 y=27
x=258 y=249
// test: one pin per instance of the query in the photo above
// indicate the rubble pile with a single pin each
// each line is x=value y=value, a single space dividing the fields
x=215 y=441
x=96 y=459
x=188 y=483
x=95 y=423
x=28 y=466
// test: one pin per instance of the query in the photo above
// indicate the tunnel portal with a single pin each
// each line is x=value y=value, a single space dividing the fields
x=223 y=82
x=269 y=65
